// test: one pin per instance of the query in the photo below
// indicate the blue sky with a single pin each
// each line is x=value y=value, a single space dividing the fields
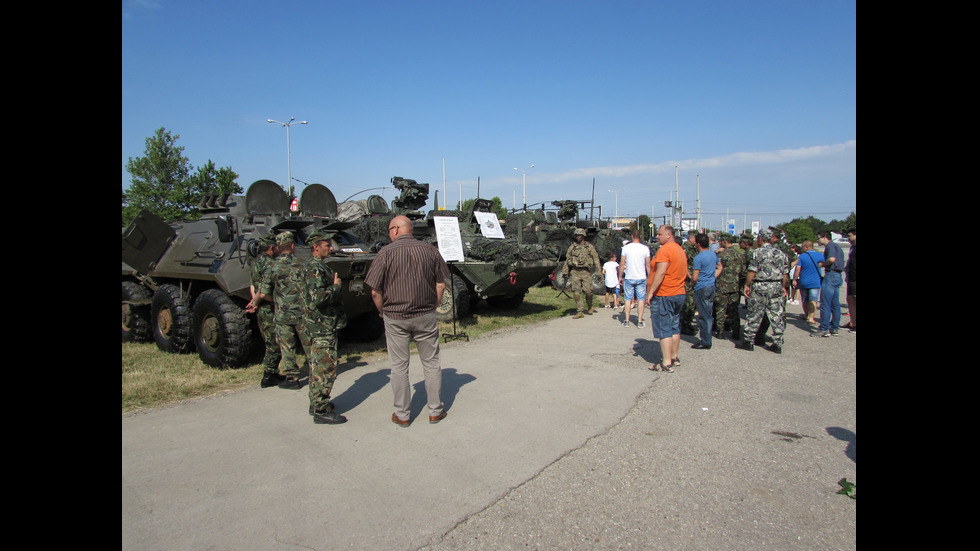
x=756 y=99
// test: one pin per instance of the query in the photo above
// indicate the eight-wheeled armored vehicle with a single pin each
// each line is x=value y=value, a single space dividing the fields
x=185 y=284
x=499 y=270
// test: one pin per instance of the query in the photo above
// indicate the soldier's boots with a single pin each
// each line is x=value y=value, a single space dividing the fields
x=271 y=379
x=290 y=384
x=328 y=418
x=578 y=315
x=591 y=310
x=776 y=348
x=329 y=404
x=745 y=345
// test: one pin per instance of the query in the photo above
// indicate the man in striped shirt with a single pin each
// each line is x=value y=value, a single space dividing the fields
x=407 y=280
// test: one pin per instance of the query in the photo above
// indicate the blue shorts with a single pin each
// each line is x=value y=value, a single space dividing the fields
x=635 y=287
x=665 y=315
x=812 y=295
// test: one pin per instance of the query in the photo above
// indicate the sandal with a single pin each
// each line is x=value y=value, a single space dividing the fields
x=675 y=362
x=661 y=367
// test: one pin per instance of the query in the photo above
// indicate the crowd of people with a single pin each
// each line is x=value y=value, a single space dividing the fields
x=709 y=274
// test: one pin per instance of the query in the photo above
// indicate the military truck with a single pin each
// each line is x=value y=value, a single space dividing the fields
x=185 y=284
x=498 y=270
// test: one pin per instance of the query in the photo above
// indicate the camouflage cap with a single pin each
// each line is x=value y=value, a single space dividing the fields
x=267 y=240
x=765 y=234
x=579 y=231
x=320 y=235
x=285 y=237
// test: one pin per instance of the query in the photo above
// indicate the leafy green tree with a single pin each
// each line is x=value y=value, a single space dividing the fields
x=164 y=184
x=799 y=231
x=643 y=221
x=497 y=207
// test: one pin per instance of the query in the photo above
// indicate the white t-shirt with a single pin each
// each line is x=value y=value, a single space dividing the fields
x=635 y=258
x=612 y=273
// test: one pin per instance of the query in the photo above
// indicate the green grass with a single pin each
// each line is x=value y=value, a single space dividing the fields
x=152 y=378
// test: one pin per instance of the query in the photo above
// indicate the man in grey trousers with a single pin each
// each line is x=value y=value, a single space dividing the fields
x=407 y=280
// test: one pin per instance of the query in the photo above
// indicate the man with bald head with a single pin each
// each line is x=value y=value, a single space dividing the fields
x=407 y=280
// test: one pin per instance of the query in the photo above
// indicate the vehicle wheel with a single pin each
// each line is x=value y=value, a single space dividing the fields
x=598 y=285
x=170 y=320
x=222 y=333
x=135 y=317
x=456 y=293
x=560 y=279
x=367 y=327
x=507 y=303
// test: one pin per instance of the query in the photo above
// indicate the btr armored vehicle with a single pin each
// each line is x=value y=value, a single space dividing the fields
x=185 y=284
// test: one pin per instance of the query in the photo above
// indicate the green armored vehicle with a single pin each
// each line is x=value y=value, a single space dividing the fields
x=555 y=228
x=499 y=270
x=185 y=284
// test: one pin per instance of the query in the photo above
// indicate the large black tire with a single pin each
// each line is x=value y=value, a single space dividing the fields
x=507 y=303
x=456 y=293
x=135 y=317
x=367 y=327
x=222 y=332
x=170 y=320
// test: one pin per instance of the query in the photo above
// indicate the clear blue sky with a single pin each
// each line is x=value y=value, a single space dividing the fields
x=755 y=99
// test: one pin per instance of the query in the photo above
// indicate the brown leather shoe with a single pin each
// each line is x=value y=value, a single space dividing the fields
x=436 y=418
x=399 y=422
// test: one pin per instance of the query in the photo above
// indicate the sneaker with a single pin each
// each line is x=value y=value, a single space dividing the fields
x=820 y=334
x=626 y=324
x=641 y=324
x=328 y=418
x=852 y=330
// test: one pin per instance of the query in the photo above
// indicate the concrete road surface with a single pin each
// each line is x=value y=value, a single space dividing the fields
x=557 y=437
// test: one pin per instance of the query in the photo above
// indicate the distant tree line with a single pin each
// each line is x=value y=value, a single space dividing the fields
x=165 y=182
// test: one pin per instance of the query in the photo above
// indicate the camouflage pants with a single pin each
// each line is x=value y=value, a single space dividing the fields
x=322 y=355
x=580 y=280
x=726 y=311
x=687 y=312
x=292 y=342
x=267 y=327
x=766 y=300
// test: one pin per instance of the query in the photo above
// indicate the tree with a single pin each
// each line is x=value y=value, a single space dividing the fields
x=162 y=181
x=497 y=207
x=643 y=221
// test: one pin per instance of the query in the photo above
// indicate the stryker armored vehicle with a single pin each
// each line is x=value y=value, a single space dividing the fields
x=185 y=284
x=499 y=270
x=556 y=228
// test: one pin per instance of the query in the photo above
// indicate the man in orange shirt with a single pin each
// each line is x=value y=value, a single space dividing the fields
x=666 y=295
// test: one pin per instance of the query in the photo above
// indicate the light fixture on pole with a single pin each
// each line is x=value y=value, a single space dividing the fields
x=524 y=172
x=617 y=199
x=289 y=174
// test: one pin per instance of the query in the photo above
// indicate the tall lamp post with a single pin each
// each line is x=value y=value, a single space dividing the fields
x=617 y=199
x=524 y=171
x=289 y=174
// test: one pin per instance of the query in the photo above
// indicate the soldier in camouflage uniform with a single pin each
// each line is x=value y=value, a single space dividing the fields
x=727 y=288
x=765 y=288
x=687 y=313
x=777 y=241
x=263 y=308
x=287 y=290
x=324 y=317
x=583 y=262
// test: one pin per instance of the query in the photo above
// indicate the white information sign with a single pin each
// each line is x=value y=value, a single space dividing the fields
x=489 y=225
x=447 y=234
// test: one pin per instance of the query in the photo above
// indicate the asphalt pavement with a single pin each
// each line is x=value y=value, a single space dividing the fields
x=557 y=437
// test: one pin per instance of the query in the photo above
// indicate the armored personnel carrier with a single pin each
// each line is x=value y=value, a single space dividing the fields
x=555 y=228
x=185 y=284
x=499 y=270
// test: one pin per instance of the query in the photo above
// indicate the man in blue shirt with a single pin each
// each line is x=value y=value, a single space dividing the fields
x=833 y=266
x=705 y=268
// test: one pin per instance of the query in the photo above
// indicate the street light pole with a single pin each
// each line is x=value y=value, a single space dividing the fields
x=289 y=174
x=524 y=171
x=617 y=199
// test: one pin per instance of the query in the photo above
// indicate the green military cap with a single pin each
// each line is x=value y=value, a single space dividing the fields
x=267 y=240
x=285 y=237
x=579 y=231
x=765 y=234
x=320 y=235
